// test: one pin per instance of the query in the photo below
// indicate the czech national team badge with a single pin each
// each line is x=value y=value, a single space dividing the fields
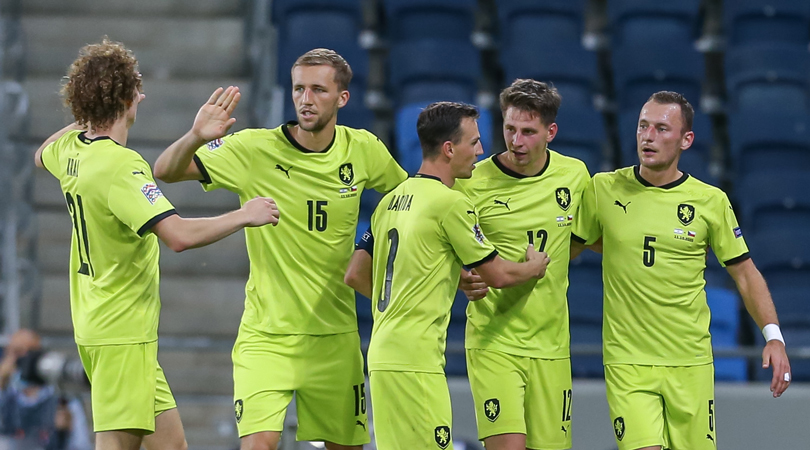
x=618 y=428
x=238 y=408
x=492 y=409
x=563 y=197
x=346 y=174
x=442 y=435
x=686 y=213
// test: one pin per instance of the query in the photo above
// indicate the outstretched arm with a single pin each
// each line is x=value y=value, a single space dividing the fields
x=760 y=306
x=51 y=139
x=212 y=122
x=182 y=234
x=500 y=273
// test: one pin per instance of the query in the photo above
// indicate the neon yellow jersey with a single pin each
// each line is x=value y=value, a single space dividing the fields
x=113 y=202
x=655 y=242
x=531 y=319
x=423 y=232
x=297 y=267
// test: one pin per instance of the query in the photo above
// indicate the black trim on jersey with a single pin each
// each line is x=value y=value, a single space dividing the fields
x=745 y=256
x=514 y=174
x=154 y=220
x=86 y=140
x=486 y=259
x=576 y=238
x=424 y=175
x=289 y=136
x=366 y=243
x=671 y=185
x=203 y=171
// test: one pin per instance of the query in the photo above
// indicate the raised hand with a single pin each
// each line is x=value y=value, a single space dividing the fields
x=472 y=285
x=261 y=211
x=214 y=117
x=540 y=258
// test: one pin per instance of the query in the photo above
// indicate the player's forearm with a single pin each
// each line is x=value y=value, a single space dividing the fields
x=755 y=293
x=172 y=163
x=500 y=273
x=199 y=232
x=359 y=273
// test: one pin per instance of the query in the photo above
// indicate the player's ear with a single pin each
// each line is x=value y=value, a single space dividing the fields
x=343 y=98
x=687 y=139
x=448 y=150
x=552 y=131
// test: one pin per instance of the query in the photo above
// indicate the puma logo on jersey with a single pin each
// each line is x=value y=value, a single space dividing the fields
x=470 y=212
x=564 y=430
x=286 y=171
x=624 y=207
x=506 y=203
x=361 y=424
x=709 y=437
x=138 y=172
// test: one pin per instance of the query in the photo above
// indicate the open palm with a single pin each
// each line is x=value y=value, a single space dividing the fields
x=214 y=117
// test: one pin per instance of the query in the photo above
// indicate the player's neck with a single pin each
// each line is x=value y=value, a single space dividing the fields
x=118 y=132
x=316 y=141
x=530 y=170
x=660 y=177
x=438 y=170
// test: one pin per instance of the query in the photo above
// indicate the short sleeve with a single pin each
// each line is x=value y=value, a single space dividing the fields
x=366 y=242
x=725 y=235
x=50 y=159
x=464 y=233
x=384 y=173
x=587 y=228
x=225 y=162
x=135 y=199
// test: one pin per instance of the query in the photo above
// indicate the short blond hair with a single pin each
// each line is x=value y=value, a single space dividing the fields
x=326 y=57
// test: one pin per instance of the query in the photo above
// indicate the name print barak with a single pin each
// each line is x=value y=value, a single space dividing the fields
x=400 y=203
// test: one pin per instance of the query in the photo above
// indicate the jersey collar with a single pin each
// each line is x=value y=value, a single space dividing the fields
x=671 y=185
x=86 y=140
x=514 y=174
x=285 y=129
x=424 y=175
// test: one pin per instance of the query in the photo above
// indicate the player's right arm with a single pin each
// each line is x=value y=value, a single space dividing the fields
x=213 y=121
x=500 y=273
x=50 y=140
x=181 y=234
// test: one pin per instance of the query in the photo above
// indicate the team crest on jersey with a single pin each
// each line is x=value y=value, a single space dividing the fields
x=215 y=144
x=442 y=435
x=686 y=213
x=492 y=409
x=618 y=428
x=346 y=174
x=238 y=408
x=151 y=192
x=479 y=235
x=563 y=196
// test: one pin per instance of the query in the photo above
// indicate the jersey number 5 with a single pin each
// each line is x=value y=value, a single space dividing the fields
x=385 y=298
x=80 y=229
x=649 y=251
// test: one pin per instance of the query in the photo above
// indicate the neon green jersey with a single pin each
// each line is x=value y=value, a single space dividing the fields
x=655 y=242
x=113 y=202
x=423 y=232
x=297 y=267
x=531 y=319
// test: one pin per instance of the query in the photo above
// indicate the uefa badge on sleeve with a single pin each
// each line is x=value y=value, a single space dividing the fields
x=151 y=192
x=215 y=144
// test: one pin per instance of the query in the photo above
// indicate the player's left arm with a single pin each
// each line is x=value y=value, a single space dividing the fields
x=384 y=171
x=51 y=140
x=360 y=271
x=759 y=304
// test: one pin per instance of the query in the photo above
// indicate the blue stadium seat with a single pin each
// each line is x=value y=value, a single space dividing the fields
x=571 y=68
x=774 y=141
x=409 y=152
x=585 y=312
x=724 y=328
x=581 y=134
x=783 y=257
x=639 y=71
x=768 y=77
x=773 y=200
x=430 y=70
x=694 y=161
x=754 y=21
x=552 y=22
x=429 y=19
x=635 y=21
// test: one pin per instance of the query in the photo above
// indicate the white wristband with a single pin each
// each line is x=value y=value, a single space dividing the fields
x=771 y=332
